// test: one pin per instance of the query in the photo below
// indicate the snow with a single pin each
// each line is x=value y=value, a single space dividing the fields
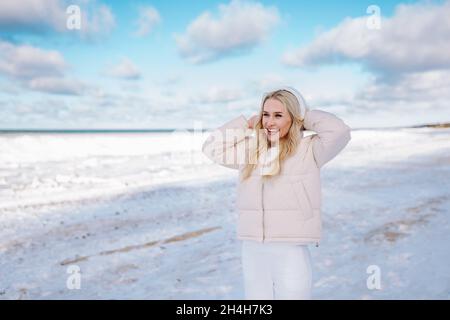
x=147 y=216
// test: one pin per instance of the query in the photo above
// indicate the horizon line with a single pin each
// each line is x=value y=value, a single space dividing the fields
x=112 y=130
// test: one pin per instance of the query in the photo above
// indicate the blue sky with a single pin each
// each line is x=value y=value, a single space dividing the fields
x=168 y=64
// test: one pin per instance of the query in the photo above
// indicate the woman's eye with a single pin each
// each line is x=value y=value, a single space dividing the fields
x=278 y=115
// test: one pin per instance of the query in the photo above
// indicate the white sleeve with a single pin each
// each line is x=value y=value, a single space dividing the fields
x=227 y=143
x=332 y=135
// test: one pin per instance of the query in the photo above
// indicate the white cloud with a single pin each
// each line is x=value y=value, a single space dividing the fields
x=414 y=98
x=415 y=39
x=429 y=87
x=217 y=94
x=32 y=14
x=148 y=18
x=96 y=21
x=408 y=60
x=240 y=26
x=57 y=85
x=24 y=61
x=125 y=70
x=169 y=80
x=37 y=69
x=36 y=16
x=267 y=82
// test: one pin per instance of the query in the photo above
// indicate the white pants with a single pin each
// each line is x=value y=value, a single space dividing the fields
x=274 y=270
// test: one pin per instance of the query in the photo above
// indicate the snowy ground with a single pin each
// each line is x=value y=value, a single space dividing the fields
x=141 y=222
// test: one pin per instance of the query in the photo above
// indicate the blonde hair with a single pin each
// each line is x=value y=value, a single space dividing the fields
x=287 y=145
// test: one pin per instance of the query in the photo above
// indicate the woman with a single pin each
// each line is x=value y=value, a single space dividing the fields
x=279 y=190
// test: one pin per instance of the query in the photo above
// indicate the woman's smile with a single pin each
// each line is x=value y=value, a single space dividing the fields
x=272 y=131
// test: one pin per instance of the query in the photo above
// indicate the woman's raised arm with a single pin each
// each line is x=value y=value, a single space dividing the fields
x=332 y=134
x=226 y=144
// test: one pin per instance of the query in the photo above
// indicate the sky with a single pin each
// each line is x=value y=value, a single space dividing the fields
x=84 y=64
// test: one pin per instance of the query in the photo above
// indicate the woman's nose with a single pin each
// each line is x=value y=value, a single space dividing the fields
x=269 y=122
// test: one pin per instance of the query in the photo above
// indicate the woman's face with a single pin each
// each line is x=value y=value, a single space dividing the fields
x=275 y=119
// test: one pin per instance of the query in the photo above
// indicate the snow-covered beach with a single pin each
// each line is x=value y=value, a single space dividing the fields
x=147 y=216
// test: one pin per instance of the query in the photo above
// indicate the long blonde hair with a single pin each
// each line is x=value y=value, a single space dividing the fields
x=287 y=145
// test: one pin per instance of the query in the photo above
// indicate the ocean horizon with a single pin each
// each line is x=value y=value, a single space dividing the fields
x=168 y=130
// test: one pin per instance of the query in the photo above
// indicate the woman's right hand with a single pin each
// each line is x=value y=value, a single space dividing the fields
x=252 y=121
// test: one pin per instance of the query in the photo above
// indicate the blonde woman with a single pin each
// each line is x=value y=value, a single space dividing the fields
x=279 y=190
